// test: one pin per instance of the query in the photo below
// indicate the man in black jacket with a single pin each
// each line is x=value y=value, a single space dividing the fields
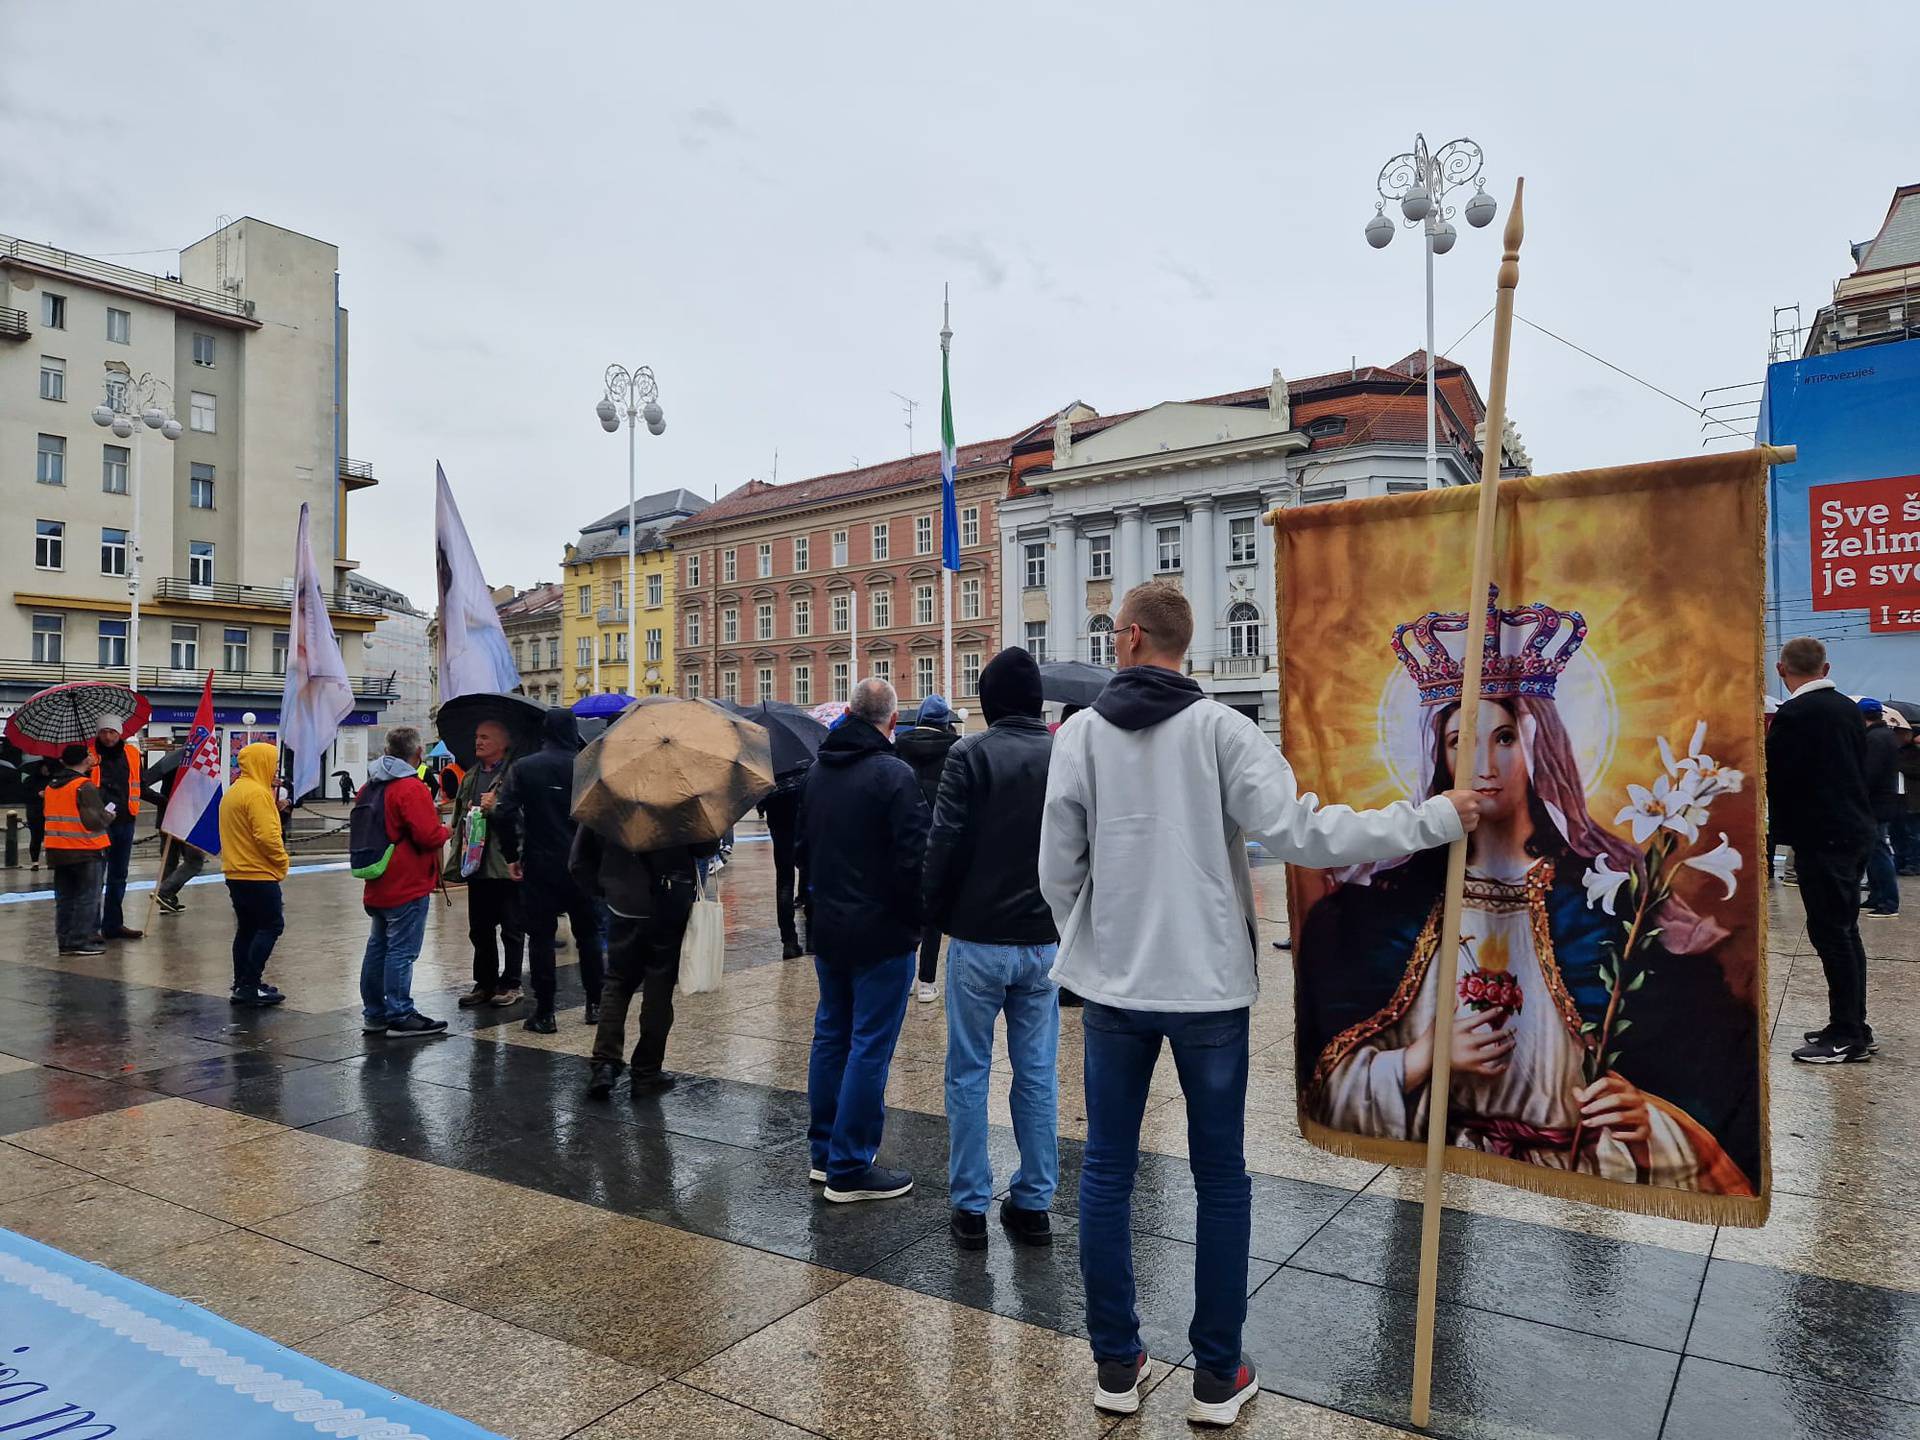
x=863 y=832
x=781 y=811
x=1883 y=794
x=982 y=887
x=1817 y=803
x=925 y=747
x=534 y=816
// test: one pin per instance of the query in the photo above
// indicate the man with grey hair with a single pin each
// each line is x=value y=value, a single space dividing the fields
x=862 y=834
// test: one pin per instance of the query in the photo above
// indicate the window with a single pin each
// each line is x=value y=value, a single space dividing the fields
x=923 y=535
x=1240 y=544
x=763 y=620
x=923 y=604
x=882 y=608
x=692 y=681
x=113 y=642
x=119 y=326
x=655 y=644
x=618 y=590
x=802 y=617
x=113 y=469
x=763 y=683
x=970 y=525
x=1037 y=639
x=656 y=590
x=50 y=460
x=49 y=639
x=199 y=562
x=200 y=413
x=553 y=652
x=235 y=642
x=923 y=676
x=729 y=566
x=730 y=685
x=693 y=628
x=803 y=685
x=970 y=594
x=183 y=647
x=763 y=560
x=1243 y=631
x=519 y=659
x=969 y=672
x=839 y=548
x=1167 y=548
x=116 y=391
x=1100 y=557
x=203 y=350
x=53 y=311
x=882 y=541
x=620 y=645
x=882 y=669
x=693 y=569
x=278 y=654
x=729 y=625
x=113 y=552
x=842 y=682
x=200 y=486
x=1327 y=425
x=802 y=554
x=840 y=613
x=1036 y=555
x=49 y=544
x=53 y=378
x=586 y=600
x=1100 y=640
x=583 y=651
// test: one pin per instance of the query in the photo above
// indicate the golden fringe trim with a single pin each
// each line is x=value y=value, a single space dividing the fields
x=1747 y=1212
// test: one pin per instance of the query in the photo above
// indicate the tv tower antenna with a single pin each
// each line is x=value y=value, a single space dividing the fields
x=909 y=406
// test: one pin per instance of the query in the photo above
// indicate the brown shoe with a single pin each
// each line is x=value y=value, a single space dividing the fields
x=476 y=996
x=125 y=933
x=507 y=997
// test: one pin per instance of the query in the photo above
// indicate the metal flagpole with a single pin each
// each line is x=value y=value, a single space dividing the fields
x=853 y=633
x=633 y=648
x=946 y=575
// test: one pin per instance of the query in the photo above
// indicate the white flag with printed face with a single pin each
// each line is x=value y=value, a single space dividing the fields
x=318 y=695
x=471 y=650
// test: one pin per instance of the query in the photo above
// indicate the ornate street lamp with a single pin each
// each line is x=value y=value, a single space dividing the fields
x=632 y=395
x=127 y=407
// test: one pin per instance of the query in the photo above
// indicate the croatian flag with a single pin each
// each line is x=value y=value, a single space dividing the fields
x=949 y=517
x=193 y=810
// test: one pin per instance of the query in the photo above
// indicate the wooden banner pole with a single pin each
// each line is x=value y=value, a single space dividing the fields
x=1446 y=957
x=166 y=849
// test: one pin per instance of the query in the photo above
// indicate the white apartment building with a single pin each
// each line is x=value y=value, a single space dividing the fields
x=246 y=347
x=398 y=654
x=1177 y=491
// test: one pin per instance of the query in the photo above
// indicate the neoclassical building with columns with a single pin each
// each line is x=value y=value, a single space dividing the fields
x=1175 y=492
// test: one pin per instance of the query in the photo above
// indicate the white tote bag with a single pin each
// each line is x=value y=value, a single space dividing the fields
x=703 y=953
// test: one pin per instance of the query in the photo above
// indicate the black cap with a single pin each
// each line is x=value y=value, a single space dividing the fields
x=1010 y=685
x=74 y=756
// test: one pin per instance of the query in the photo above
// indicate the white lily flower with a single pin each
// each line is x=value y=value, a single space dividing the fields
x=1674 y=807
x=1710 y=777
x=1603 y=884
x=1721 y=862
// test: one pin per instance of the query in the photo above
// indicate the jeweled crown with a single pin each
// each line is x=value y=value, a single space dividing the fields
x=1525 y=650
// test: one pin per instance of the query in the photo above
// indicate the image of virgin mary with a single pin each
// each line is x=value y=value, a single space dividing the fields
x=1672 y=1104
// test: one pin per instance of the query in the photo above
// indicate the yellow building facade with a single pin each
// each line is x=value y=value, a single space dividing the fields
x=603 y=622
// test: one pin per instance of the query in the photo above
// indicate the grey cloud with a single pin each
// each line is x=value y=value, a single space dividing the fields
x=1198 y=286
x=971 y=250
x=705 y=125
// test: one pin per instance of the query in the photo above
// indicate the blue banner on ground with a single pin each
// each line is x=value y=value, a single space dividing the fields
x=86 y=1354
x=1844 y=520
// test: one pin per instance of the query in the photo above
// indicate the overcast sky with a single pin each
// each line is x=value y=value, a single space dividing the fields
x=1132 y=203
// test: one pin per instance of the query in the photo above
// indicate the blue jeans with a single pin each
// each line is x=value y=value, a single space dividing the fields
x=983 y=980
x=1210 y=1051
x=1883 y=888
x=386 y=970
x=76 y=903
x=854 y=1032
x=119 y=852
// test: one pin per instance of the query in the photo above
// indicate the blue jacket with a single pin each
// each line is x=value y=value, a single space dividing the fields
x=862 y=835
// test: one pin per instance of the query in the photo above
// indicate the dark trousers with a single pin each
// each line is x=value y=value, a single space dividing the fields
x=258 y=919
x=494 y=906
x=1830 y=889
x=855 y=1028
x=36 y=833
x=76 y=902
x=929 y=954
x=783 y=813
x=1883 y=886
x=543 y=903
x=119 y=852
x=183 y=863
x=643 y=958
x=1906 y=841
x=1210 y=1052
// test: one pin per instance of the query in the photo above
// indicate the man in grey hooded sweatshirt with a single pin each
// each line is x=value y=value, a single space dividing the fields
x=1152 y=795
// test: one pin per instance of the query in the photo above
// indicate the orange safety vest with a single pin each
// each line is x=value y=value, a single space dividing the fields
x=65 y=829
x=133 y=778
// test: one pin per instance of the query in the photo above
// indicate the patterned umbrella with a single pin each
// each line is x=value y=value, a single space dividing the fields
x=828 y=712
x=671 y=772
x=64 y=715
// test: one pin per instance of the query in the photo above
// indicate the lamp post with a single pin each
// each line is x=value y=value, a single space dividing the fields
x=631 y=395
x=127 y=407
x=1419 y=181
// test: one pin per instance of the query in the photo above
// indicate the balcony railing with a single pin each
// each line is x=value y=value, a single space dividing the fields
x=612 y=614
x=357 y=473
x=13 y=324
x=1237 y=667
x=139 y=281
x=161 y=677
x=266 y=597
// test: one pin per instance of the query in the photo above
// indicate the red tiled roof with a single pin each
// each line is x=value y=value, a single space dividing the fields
x=757 y=497
x=533 y=601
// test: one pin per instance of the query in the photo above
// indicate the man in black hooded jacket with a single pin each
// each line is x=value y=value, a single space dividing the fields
x=534 y=818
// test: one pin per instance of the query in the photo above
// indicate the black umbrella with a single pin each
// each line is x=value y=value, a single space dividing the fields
x=794 y=734
x=1072 y=682
x=1908 y=708
x=462 y=715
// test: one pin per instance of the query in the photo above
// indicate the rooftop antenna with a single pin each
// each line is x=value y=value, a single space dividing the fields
x=221 y=224
x=909 y=405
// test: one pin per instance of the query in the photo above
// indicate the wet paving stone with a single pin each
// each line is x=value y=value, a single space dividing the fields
x=600 y=1161
x=63 y=1095
x=215 y=1071
x=1725 y=1402
x=1832 y=1331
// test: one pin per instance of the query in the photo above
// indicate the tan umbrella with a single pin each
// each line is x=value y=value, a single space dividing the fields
x=671 y=772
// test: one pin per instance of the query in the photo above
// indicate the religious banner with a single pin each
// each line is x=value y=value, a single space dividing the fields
x=1607 y=1042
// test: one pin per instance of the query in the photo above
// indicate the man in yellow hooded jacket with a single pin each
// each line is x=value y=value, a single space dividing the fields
x=254 y=856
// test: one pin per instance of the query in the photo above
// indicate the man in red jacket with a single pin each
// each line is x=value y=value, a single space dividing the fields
x=398 y=900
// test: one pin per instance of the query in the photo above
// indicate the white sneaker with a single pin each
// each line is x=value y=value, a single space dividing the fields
x=926 y=993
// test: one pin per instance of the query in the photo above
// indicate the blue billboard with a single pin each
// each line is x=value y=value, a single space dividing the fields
x=1843 y=526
